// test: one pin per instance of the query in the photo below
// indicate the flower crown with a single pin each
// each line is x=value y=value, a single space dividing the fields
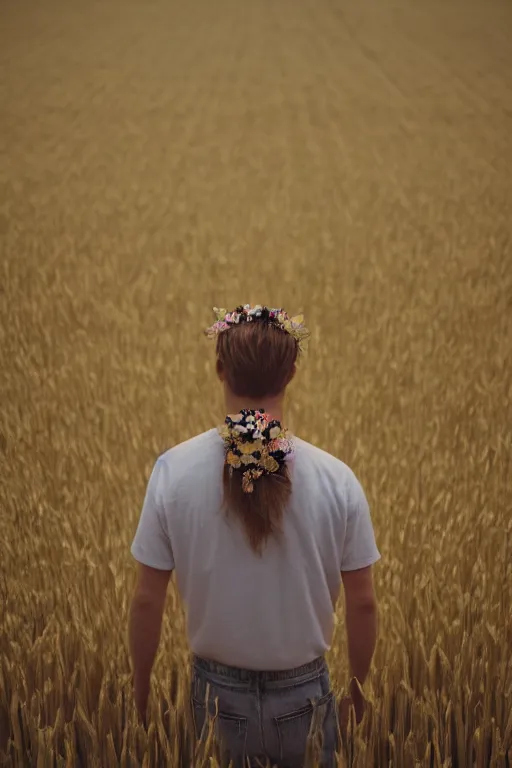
x=255 y=444
x=247 y=314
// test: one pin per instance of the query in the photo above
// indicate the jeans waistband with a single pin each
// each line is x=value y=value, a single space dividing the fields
x=249 y=675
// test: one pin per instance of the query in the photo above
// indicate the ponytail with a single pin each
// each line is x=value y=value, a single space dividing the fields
x=256 y=477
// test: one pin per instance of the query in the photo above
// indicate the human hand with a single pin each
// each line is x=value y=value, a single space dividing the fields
x=141 y=696
x=355 y=699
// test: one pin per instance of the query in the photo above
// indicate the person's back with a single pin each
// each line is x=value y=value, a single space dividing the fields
x=260 y=549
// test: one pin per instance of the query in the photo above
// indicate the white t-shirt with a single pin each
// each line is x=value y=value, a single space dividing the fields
x=263 y=613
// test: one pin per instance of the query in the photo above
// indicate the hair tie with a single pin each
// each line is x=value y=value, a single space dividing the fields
x=254 y=444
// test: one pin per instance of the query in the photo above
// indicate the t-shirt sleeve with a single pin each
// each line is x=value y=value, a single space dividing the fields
x=359 y=547
x=151 y=545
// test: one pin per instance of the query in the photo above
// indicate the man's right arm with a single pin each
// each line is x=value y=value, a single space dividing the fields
x=360 y=619
x=361 y=624
x=358 y=555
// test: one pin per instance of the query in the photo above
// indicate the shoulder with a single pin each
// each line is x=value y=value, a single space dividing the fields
x=194 y=448
x=331 y=471
x=325 y=461
x=183 y=463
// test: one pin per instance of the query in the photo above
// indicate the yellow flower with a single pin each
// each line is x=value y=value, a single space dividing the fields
x=232 y=460
x=248 y=479
x=269 y=464
x=257 y=445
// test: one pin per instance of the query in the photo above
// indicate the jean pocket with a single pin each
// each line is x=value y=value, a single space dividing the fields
x=306 y=732
x=228 y=730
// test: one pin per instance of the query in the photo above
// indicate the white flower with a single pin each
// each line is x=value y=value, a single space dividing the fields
x=240 y=428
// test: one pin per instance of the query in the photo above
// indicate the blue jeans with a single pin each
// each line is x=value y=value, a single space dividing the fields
x=281 y=718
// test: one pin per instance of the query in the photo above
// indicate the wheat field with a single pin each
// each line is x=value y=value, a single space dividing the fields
x=348 y=160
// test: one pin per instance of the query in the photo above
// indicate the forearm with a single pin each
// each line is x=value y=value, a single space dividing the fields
x=361 y=624
x=144 y=636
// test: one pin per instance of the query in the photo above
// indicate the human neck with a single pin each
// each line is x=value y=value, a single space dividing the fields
x=271 y=405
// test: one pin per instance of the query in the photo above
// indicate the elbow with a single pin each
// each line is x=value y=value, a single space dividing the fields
x=145 y=603
x=364 y=605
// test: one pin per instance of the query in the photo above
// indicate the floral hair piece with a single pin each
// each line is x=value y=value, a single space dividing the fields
x=254 y=444
x=247 y=314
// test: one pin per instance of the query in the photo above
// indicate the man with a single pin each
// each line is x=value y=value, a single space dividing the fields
x=262 y=528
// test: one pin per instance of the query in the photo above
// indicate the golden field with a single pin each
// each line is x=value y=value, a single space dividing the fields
x=351 y=160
